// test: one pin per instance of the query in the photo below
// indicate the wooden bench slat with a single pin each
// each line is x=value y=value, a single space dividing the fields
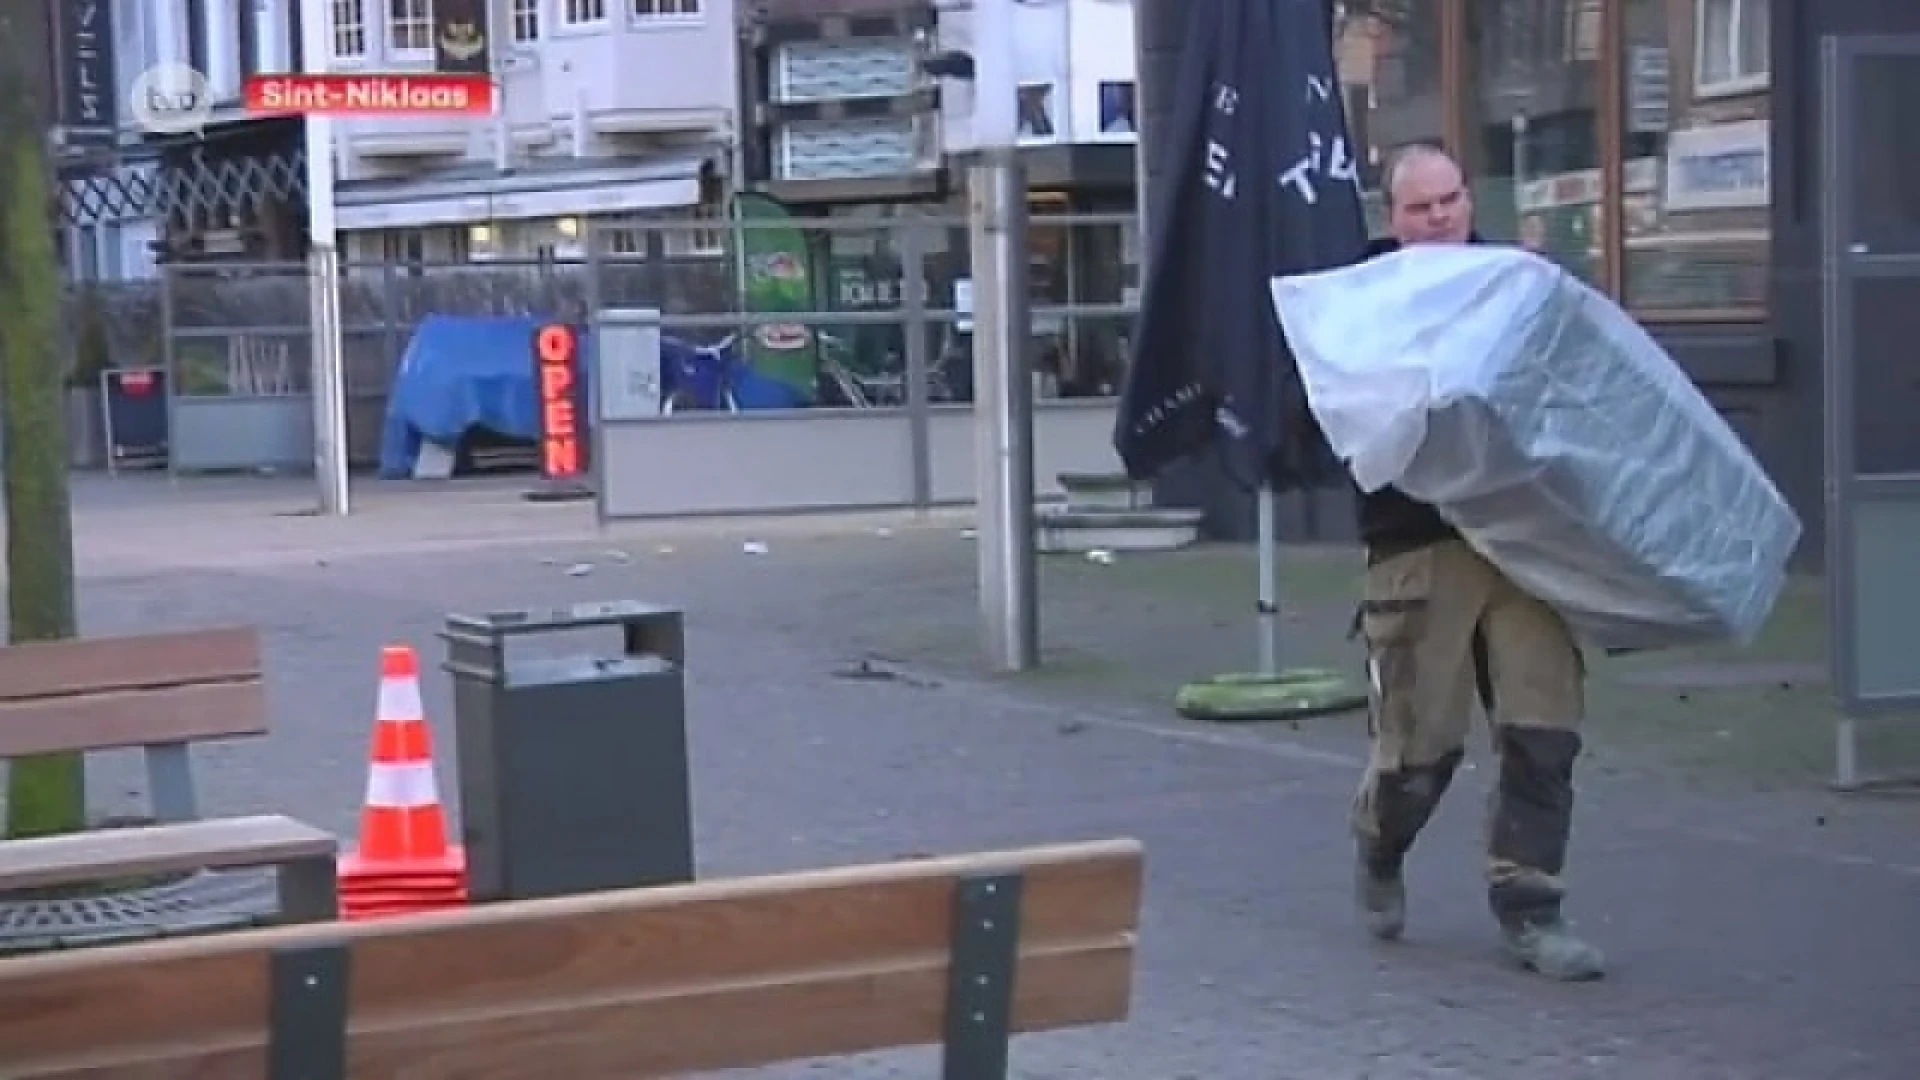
x=650 y=982
x=85 y=665
x=216 y=844
x=661 y=1038
x=123 y=718
x=824 y=1014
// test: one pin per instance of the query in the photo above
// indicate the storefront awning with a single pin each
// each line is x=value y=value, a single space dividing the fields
x=568 y=189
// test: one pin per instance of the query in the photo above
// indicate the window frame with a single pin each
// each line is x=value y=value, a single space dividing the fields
x=578 y=15
x=414 y=16
x=527 y=16
x=781 y=71
x=1456 y=94
x=340 y=31
x=624 y=240
x=1744 y=80
x=685 y=12
x=1045 y=93
x=704 y=234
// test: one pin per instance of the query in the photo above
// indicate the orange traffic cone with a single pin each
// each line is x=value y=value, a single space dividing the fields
x=403 y=862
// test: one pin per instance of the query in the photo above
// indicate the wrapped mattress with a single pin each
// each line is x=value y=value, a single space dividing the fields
x=1552 y=431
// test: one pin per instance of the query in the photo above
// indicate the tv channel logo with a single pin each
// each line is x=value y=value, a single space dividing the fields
x=171 y=99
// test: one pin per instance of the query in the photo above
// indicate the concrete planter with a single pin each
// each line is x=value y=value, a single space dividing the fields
x=1069 y=530
x=1105 y=491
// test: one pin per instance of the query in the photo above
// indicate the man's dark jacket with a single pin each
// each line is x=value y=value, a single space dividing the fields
x=1392 y=522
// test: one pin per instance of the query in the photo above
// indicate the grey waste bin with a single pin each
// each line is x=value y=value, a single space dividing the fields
x=572 y=769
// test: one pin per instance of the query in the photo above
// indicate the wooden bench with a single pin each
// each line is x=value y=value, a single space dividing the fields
x=162 y=693
x=659 y=982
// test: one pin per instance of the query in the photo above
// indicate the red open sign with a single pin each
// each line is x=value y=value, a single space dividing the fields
x=136 y=382
x=556 y=350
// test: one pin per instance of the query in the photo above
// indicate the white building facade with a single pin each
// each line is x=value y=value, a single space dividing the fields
x=1075 y=63
x=609 y=111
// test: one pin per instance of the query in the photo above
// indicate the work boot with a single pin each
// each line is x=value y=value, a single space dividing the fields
x=1382 y=896
x=1390 y=810
x=1548 y=947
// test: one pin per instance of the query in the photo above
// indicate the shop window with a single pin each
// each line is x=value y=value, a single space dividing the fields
x=1530 y=112
x=484 y=242
x=709 y=237
x=405 y=248
x=1388 y=56
x=1514 y=88
x=623 y=241
x=1396 y=46
x=1696 y=170
x=84 y=259
x=1885 y=130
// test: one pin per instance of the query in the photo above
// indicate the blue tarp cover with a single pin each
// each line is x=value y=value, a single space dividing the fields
x=462 y=372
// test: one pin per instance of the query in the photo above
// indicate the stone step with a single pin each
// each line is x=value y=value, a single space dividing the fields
x=1105 y=491
x=1076 y=530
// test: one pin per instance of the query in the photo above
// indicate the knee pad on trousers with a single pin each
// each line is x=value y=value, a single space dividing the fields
x=1403 y=801
x=1532 y=817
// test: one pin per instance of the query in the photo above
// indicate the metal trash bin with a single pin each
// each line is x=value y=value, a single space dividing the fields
x=572 y=769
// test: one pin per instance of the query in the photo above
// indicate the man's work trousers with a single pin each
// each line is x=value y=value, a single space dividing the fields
x=1441 y=623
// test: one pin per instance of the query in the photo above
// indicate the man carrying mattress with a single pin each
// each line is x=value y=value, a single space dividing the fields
x=1442 y=627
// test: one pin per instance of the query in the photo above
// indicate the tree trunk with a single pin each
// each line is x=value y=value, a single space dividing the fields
x=47 y=794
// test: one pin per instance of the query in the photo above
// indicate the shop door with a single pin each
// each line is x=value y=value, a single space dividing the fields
x=1870 y=272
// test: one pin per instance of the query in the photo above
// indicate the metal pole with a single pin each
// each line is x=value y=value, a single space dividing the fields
x=329 y=412
x=1269 y=600
x=1003 y=410
x=1146 y=14
x=1002 y=340
x=1846 y=756
x=323 y=268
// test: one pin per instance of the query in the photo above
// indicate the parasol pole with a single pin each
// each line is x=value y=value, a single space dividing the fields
x=1269 y=691
x=1269 y=598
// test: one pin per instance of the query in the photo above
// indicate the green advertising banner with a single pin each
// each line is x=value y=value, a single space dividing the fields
x=778 y=279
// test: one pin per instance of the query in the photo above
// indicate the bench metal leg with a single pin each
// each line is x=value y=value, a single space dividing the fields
x=309 y=890
x=170 y=783
x=307 y=1013
x=986 y=950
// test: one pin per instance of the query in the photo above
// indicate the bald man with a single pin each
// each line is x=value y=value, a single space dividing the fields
x=1443 y=626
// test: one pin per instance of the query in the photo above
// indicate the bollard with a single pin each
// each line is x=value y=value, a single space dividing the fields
x=572 y=769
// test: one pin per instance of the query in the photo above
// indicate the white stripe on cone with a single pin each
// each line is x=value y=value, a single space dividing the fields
x=404 y=786
x=400 y=700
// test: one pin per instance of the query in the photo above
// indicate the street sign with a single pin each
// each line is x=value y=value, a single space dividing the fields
x=133 y=417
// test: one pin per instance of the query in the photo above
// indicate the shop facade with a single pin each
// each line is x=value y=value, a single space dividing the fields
x=1668 y=152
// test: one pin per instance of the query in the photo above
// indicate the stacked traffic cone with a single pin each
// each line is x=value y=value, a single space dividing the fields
x=403 y=863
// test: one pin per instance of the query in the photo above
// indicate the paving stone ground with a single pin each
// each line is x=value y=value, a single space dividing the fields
x=1758 y=930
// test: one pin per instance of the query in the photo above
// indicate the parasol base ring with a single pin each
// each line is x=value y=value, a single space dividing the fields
x=1247 y=698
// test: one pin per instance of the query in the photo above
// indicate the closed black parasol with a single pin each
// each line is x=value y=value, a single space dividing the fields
x=1258 y=180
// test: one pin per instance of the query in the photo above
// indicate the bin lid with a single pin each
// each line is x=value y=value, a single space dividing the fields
x=573 y=617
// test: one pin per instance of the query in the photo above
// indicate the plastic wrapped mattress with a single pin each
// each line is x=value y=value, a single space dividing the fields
x=1552 y=431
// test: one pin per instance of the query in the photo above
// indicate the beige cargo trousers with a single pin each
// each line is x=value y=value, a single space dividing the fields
x=1443 y=626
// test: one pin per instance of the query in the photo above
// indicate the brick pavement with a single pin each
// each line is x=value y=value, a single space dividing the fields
x=1753 y=938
